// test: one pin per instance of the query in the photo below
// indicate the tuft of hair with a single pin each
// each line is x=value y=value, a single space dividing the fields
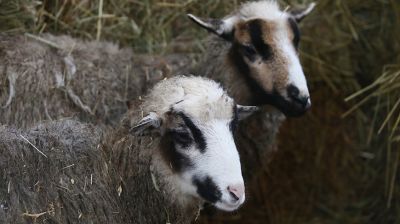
x=265 y=9
x=207 y=93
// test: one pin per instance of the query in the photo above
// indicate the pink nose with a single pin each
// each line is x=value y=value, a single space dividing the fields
x=236 y=191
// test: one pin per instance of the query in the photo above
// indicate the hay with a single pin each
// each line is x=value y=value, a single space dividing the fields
x=329 y=169
x=143 y=25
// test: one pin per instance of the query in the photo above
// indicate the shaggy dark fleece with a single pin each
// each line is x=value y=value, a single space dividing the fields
x=59 y=76
x=67 y=172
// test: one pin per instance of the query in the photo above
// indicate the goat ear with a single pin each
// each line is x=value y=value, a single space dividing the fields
x=246 y=111
x=222 y=28
x=148 y=123
x=299 y=14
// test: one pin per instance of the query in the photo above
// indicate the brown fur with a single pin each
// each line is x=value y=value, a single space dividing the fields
x=241 y=34
x=269 y=74
x=93 y=81
x=278 y=67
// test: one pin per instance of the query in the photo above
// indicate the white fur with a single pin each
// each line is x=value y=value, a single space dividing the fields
x=268 y=10
x=220 y=161
x=211 y=110
x=296 y=74
x=228 y=24
x=220 y=156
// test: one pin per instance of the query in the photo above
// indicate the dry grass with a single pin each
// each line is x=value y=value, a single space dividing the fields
x=144 y=25
x=339 y=164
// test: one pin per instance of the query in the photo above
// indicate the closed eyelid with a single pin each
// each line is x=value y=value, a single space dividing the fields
x=196 y=132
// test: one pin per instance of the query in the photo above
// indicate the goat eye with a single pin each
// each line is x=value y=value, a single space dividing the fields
x=249 y=51
x=182 y=138
x=296 y=32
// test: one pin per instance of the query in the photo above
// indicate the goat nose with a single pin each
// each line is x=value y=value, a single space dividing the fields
x=304 y=101
x=236 y=191
x=294 y=93
x=308 y=103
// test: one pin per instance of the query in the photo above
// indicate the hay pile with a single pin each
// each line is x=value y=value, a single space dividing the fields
x=339 y=163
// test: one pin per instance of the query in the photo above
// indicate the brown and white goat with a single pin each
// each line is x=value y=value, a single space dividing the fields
x=253 y=52
x=255 y=56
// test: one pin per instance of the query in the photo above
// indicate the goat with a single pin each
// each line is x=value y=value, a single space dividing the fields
x=253 y=52
x=255 y=56
x=182 y=154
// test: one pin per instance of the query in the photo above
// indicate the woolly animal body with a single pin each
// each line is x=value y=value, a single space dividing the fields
x=68 y=172
x=59 y=76
x=66 y=183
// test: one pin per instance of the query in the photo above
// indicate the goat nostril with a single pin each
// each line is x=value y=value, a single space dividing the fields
x=234 y=196
x=236 y=192
x=304 y=101
x=293 y=91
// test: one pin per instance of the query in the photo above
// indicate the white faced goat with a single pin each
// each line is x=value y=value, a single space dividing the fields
x=182 y=155
x=191 y=121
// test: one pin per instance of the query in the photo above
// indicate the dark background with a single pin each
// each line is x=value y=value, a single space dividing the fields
x=337 y=164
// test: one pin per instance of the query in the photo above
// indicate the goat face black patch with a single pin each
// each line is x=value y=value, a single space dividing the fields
x=180 y=137
x=207 y=189
x=257 y=40
x=296 y=32
x=260 y=96
x=178 y=161
x=196 y=132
